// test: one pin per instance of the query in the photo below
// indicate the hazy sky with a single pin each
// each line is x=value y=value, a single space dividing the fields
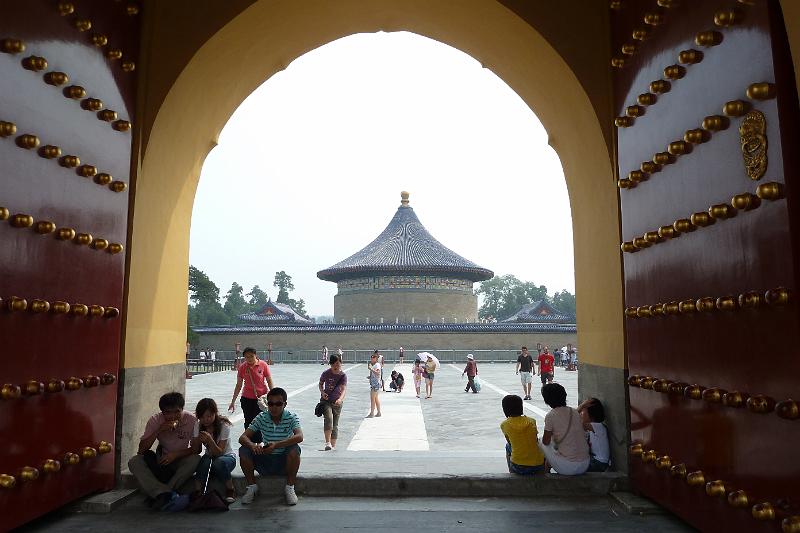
x=310 y=167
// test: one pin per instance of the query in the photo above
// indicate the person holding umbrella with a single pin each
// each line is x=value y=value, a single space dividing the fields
x=431 y=366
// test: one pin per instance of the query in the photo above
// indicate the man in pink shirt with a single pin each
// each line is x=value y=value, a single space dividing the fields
x=253 y=379
x=161 y=473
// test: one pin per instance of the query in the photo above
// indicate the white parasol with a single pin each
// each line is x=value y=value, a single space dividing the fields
x=424 y=356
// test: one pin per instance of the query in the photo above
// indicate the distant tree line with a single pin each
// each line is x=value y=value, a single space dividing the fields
x=206 y=309
x=504 y=295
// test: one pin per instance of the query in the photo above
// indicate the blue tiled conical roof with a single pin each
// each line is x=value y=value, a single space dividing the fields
x=405 y=247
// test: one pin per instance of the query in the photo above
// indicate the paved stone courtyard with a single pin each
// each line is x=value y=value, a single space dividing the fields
x=451 y=425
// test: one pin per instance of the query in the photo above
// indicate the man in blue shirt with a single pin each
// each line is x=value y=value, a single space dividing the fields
x=279 y=452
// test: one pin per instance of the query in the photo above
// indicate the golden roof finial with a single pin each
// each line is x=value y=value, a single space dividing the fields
x=404 y=198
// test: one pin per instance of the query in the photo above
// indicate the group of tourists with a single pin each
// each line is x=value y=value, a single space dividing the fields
x=574 y=441
x=525 y=368
x=269 y=444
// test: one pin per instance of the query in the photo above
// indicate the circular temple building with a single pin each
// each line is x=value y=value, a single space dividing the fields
x=405 y=276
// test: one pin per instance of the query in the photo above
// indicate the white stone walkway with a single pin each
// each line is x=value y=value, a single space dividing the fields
x=401 y=426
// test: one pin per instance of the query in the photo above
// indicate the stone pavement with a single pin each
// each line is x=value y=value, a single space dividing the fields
x=460 y=430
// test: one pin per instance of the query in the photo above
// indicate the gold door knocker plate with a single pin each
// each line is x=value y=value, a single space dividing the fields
x=753 y=138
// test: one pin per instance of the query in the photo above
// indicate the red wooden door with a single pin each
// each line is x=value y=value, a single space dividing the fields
x=67 y=81
x=707 y=136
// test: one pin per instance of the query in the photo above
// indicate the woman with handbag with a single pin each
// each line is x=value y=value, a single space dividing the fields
x=564 y=442
x=332 y=389
x=253 y=380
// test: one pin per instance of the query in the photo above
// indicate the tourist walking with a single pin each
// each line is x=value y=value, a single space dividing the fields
x=524 y=371
x=402 y=353
x=430 y=369
x=417 y=372
x=214 y=432
x=546 y=366
x=332 y=389
x=471 y=370
x=253 y=379
x=564 y=440
x=374 y=385
x=324 y=355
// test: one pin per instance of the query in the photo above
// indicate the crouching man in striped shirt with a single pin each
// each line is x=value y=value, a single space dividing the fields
x=279 y=453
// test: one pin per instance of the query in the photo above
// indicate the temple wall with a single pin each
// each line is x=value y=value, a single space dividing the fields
x=421 y=306
x=364 y=340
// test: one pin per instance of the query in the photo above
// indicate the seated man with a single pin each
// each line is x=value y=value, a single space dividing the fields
x=162 y=472
x=397 y=381
x=279 y=452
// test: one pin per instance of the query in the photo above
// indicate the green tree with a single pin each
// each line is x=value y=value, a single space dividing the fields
x=235 y=303
x=201 y=289
x=257 y=298
x=298 y=305
x=284 y=283
x=504 y=295
x=564 y=301
x=492 y=291
x=206 y=310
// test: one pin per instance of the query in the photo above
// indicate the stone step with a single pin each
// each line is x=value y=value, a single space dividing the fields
x=105 y=502
x=436 y=485
x=635 y=504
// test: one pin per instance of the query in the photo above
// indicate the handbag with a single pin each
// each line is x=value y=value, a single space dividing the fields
x=208 y=501
x=260 y=400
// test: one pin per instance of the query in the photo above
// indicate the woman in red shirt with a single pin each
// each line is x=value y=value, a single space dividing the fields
x=254 y=374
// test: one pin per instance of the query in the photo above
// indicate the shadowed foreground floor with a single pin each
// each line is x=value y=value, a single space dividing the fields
x=313 y=514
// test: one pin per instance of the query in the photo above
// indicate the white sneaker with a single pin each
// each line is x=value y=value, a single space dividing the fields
x=291 y=497
x=249 y=494
x=328 y=447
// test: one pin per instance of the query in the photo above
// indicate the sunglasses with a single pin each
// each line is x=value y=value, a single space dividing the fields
x=274 y=404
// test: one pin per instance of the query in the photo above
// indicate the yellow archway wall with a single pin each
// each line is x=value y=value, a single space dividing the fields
x=190 y=86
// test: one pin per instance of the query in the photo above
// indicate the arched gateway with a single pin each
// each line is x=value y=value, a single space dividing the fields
x=100 y=152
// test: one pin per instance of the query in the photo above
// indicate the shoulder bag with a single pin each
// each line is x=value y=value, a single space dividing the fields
x=557 y=442
x=261 y=400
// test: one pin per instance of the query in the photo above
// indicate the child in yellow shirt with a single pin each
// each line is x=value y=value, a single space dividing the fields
x=522 y=448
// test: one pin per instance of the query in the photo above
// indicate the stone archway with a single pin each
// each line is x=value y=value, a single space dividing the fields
x=177 y=133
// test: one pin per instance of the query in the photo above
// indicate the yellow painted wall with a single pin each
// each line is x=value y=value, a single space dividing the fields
x=187 y=96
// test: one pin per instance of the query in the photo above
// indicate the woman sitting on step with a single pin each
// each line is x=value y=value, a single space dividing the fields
x=213 y=432
x=564 y=442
